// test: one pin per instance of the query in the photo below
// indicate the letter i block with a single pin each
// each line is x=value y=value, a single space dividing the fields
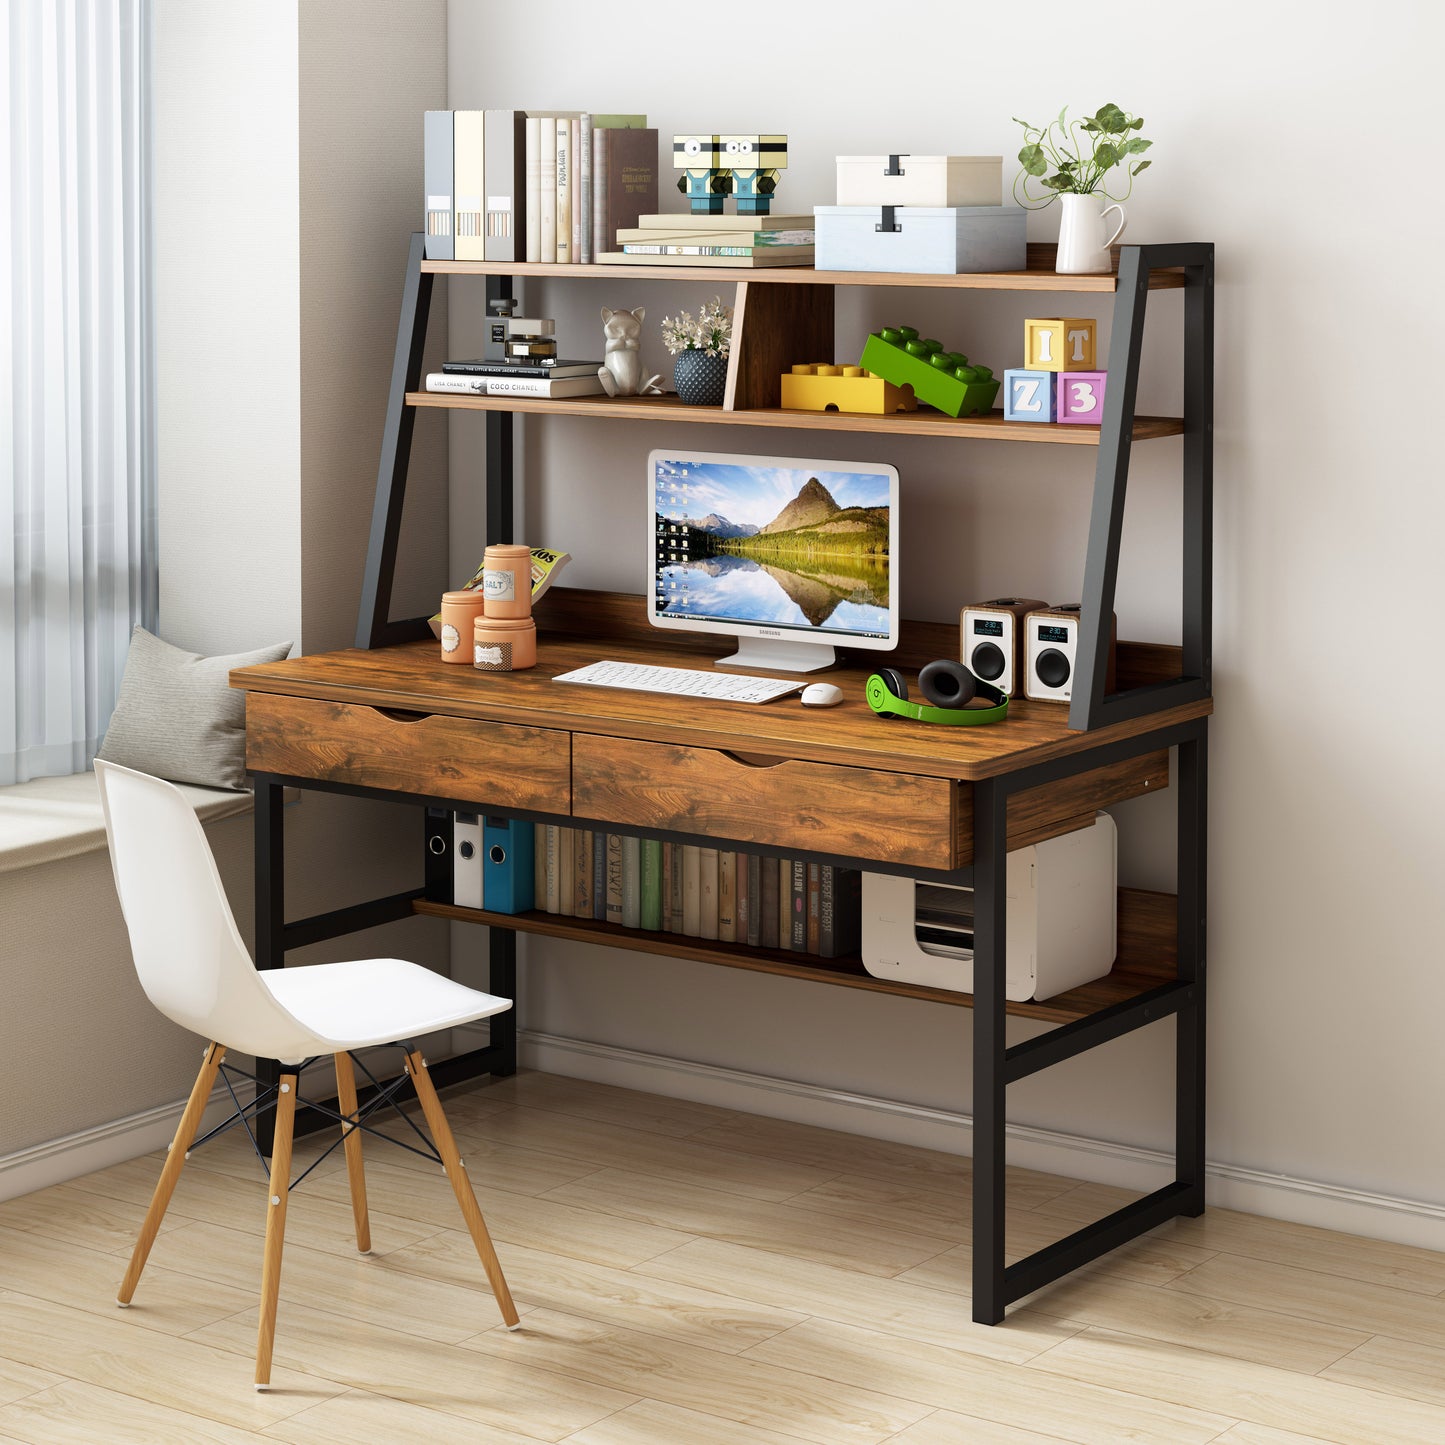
x=1060 y=343
x=1028 y=395
x=1081 y=396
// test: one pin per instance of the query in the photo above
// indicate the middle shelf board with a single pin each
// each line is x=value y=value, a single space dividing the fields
x=1146 y=956
x=914 y=423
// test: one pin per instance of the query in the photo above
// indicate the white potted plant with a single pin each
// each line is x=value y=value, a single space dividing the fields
x=1071 y=160
x=701 y=347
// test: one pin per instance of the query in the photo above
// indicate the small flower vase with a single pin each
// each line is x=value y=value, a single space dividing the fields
x=1083 y=239
x=700 y=379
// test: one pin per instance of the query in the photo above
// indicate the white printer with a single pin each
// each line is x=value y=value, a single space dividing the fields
x=1061 y=928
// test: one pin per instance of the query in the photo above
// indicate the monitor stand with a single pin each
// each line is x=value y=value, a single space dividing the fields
x=779 y=655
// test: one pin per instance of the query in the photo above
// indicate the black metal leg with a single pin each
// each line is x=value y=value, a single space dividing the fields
x=990 y=906
x=502 y=963
x=270 y=946
x=1190 y=1023
x=1198 y=495
x=501 y=466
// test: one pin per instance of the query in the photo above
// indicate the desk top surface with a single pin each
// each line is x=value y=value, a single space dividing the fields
x=412 y=677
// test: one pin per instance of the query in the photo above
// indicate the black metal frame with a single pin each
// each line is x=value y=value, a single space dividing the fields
x=995 y=1063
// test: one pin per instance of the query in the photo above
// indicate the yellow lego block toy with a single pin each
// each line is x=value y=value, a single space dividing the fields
x=821 y=386
x=1060 y=343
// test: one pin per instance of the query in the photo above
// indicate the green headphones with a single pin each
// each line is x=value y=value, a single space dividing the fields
x=947 y=687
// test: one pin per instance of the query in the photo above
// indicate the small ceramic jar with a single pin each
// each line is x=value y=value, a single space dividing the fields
x=507 y=580
x=459 y=611
x=504 y=644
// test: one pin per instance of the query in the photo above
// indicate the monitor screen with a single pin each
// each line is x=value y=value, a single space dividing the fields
x=775 y=547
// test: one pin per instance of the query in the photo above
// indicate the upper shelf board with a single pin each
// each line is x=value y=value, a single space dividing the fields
x=1040 y=275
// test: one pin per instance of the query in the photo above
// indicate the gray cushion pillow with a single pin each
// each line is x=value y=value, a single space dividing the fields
x=177 y=717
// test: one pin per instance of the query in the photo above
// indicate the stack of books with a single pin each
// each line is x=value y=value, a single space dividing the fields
x=686 y=240
x=518 y=185
x=758 y=900
x=484 y=377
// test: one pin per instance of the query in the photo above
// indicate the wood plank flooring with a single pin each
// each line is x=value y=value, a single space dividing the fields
x=688 y=1275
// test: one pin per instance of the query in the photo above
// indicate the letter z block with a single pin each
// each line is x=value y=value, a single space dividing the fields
x=1081 y=397
x=1028 y=395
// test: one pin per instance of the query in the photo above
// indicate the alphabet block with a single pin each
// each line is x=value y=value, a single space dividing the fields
x=1081 y=396
x=1060 y=343
x=1028 y=395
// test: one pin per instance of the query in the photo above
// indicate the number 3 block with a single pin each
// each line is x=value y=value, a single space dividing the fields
x=1081 y=396
x=1028 y=396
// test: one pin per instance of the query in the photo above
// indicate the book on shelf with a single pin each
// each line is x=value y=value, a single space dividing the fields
x=664 y=900
x=532 y=187
x=814 y=900
x=707 y=892
x=599 y=875
x=540 y=369
x=584 y=188
x=840 y=923
x=768 y=903
x=437 y=184
x=727 y=896
x=757 y=260
x=785 y=902
x=566 y=870
x=575 y=175
x=564 y=190
x=552 y=893
x=685 y=221
x=539 y=867
x=582 y=873
x=505 y=134
x=675 y=889
x=624 y=182
x=547 y=186
x=651 y=885
x=692 y=890
x=657 y=236
x=614 y=878
x=631 y=881
x=487 y=385
x=754 y=909
x=800 y=255
x=798 y=904
x=468 y=185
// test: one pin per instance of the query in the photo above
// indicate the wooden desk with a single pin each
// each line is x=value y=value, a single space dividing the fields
x=838 y=784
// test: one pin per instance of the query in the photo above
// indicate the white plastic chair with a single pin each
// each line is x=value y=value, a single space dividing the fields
x=195 y=969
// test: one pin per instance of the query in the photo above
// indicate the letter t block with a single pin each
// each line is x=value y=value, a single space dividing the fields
x=1060 y=343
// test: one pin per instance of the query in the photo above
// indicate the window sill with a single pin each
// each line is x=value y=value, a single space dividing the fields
x=48 y=819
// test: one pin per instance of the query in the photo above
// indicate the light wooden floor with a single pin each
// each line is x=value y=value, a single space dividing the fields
x=691 y=1276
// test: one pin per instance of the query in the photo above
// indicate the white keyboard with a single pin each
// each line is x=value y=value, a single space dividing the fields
x=680 y=682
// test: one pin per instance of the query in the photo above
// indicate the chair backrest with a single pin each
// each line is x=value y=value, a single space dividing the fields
x=192 y=963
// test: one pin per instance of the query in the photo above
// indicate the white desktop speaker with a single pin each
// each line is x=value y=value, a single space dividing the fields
x=1051 y=652
x=991 y=640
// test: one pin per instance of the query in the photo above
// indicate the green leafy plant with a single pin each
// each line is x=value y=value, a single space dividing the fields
x=1080 y=154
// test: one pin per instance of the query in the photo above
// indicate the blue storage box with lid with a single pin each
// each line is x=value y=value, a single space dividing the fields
x=939 y=240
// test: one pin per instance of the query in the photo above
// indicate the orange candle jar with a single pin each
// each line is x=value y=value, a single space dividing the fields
x=507 y=580
x=504 y=644
x=459 y=611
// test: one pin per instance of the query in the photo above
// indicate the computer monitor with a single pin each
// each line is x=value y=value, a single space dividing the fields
x=790 y=555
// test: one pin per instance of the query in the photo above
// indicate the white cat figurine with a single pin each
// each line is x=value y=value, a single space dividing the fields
x=621 y=371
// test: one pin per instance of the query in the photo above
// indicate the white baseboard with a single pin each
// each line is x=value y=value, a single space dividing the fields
x=1276 y=1196
x=57 y=1160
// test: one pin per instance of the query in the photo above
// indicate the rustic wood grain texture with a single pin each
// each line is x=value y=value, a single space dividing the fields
x=817 y=807
x=527 y=768
x=1045 y=812
x=1039 y=275
x=775 y=327
x=523 y=767
x=926 y=423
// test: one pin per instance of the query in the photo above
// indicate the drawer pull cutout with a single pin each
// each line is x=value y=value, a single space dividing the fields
x=752 y=760
x=402 y=715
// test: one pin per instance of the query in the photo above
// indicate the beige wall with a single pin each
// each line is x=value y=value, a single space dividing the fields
x=1326 y=836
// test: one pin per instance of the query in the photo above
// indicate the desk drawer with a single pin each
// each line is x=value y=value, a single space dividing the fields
x=442 y=757
x=783 y=803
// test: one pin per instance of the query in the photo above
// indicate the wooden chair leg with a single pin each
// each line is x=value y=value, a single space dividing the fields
x=275 y=1225
x=346 y=1104
x=461 y=1185
x=175 y=1161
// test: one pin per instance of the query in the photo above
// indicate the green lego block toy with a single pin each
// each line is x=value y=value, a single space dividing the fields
x=942 y=379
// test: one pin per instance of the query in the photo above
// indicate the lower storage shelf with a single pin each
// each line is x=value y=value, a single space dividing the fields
x=1146 y=956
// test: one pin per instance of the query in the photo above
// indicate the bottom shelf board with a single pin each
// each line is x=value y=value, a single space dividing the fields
x=1146 y=957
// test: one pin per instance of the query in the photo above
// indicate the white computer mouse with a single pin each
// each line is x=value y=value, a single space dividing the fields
x=822 y=694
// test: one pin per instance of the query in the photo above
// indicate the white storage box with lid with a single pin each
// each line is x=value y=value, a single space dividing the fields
x=920 y=180
x=942 y=240
x=1062 y=927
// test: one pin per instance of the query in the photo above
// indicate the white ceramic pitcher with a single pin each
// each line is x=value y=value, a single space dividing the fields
x=1082 y=247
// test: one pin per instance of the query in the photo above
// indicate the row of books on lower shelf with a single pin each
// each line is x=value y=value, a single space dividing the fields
x=759 y=900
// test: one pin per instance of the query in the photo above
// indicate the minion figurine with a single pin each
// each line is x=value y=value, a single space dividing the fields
x=703 y=181
x=754 y=162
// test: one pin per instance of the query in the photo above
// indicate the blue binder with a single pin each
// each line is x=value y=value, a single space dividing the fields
x=508 y=875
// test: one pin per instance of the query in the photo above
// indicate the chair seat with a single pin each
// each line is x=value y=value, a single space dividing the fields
x=374 y=1001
